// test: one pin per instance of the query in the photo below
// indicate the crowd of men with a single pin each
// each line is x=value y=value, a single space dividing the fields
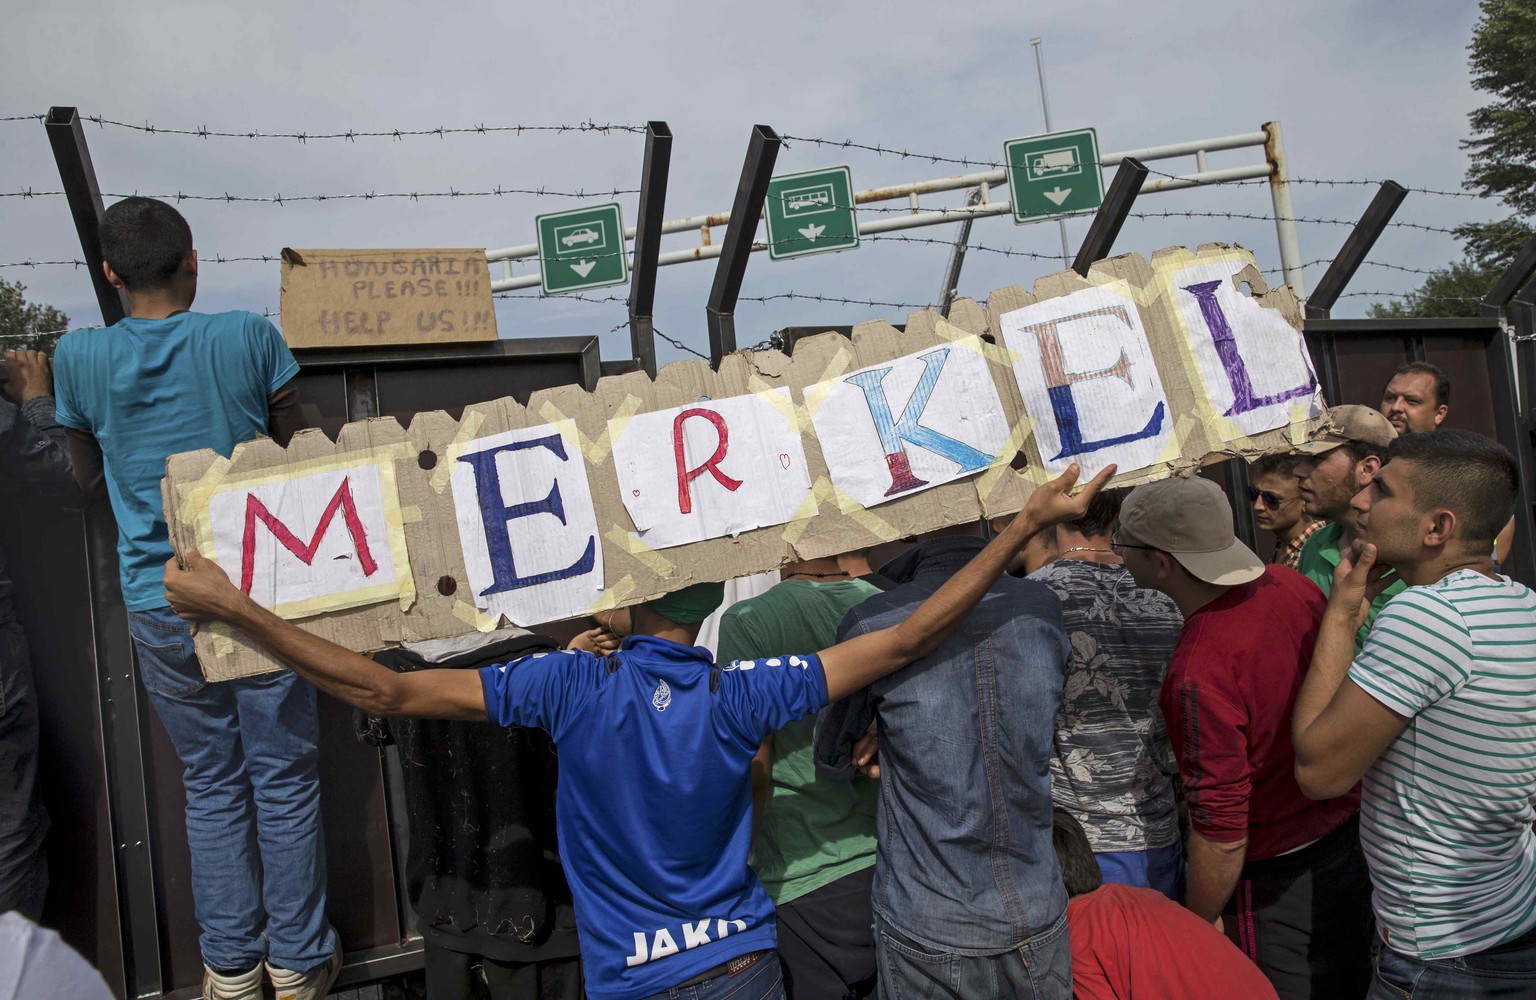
x=1106 y=752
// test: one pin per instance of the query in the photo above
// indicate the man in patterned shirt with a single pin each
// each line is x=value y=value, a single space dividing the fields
x=1438 y=714
x=1113 y=770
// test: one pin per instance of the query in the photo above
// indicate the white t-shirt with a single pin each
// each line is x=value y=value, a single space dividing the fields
x=1447 y=809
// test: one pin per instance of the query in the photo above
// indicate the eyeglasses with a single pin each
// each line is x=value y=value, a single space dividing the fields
x=1271 y=499
x=1116 y=545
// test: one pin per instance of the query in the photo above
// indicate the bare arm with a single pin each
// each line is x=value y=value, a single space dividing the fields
x=85 y=459
x=855 y=663
x=284 y=417
x=1338 y=729
x=1214 y=867
x=202 y=591
x=762 y=783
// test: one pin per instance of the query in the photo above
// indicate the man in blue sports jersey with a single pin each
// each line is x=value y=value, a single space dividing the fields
x=656 y=742
x=165 y=380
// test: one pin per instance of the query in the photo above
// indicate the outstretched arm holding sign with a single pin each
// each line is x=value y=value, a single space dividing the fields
x=202 y=591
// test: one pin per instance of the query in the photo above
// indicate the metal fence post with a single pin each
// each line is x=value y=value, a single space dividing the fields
x=1514 y=425
x=642 y=282
x=1111 y=214
x=751 y=190
x=1285 y=214
x=1355 y=249
x=73 y=158
x=957 y=257
x=117 y=691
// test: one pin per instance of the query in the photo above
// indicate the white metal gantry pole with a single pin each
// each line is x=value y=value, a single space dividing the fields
x=1045 y=107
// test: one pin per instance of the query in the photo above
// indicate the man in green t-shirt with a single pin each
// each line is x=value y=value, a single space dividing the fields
x=1335 y=465
x=814 y=843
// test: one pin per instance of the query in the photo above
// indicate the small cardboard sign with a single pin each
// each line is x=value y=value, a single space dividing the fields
x=386 y=298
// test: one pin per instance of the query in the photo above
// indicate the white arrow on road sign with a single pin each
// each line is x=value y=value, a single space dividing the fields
x=812 y=231
x=1058 y=195
x=584 y=267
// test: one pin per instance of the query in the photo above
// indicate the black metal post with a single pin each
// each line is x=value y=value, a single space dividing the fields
x=1111 y=214
x=642 y=280
x=1355 y=249
x=751 y=190
x=79 y=179
x=1515 y=277
x=1509 y=299
x=119 y=703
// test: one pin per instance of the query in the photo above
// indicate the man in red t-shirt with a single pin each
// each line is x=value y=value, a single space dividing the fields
x=1129 y=942
x=1282 y=875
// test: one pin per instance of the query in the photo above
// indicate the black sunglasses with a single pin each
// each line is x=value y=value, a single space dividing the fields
x=1116 y=544
x=1271 y=499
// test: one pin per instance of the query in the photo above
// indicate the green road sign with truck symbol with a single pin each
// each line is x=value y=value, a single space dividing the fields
x=1054 y=175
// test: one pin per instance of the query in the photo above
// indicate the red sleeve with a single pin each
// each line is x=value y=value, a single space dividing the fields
x=1209 y=733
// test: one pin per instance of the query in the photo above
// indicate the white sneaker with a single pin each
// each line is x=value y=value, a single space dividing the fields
x=241 y=986
x=311 y=985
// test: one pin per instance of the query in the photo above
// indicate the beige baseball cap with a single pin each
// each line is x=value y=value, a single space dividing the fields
x=1350 y=422
x=1191 y=520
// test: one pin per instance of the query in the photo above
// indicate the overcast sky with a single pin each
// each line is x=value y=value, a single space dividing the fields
x=1364 y=90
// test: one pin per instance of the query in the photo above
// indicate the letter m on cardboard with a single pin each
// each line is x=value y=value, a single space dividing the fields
x=341 y=501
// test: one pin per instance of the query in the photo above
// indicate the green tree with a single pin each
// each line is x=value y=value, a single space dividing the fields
x=30 y=326
x=1503 y=152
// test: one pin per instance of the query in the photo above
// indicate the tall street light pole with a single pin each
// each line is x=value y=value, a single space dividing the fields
x=1045 y=106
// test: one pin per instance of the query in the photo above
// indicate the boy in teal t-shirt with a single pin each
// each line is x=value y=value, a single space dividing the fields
x=161 y=381
x=814 y=849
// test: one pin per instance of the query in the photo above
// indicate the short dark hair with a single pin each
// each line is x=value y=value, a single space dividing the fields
x=1079 y=868
x=1359 y=451
x=1278 y=464
x=1469 y=473
x=144 y=242
x=1102 y=513
x=1442 y=381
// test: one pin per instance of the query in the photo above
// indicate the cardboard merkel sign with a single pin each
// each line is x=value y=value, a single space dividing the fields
x=579 y=501
x=386 y=298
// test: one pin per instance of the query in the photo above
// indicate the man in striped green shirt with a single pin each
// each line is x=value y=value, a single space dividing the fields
x=1438 y=714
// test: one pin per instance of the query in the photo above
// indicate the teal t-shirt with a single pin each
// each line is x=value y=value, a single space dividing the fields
x=1320 y=557
x=150 y=388
x=814 y=831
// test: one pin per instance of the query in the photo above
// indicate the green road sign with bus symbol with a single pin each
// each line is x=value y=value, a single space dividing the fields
x=811 y=213
x=1054 y=175
x=582 y=248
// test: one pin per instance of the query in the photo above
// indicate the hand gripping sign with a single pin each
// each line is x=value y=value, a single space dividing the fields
x=583 y=500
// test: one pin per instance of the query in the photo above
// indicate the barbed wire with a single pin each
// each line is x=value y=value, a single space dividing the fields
x=1318 y=181
x=280 y=199
x=882 y=150
x=1256 y=217
x=810 y=297
x=351 y=135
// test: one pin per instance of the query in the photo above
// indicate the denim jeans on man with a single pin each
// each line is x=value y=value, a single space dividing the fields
x=762 y=980
x=253 y=801
x=1038 y=969
x=965 y=873
x=1502 y=973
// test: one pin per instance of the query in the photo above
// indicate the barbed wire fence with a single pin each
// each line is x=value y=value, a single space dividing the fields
x=590 y=127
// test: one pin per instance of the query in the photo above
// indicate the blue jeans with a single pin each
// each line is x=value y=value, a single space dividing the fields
x=1038 y=969
x=23 y=863
x=1508 y=971
x=762 y=980
x=1161 y=868
x=253 y=801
